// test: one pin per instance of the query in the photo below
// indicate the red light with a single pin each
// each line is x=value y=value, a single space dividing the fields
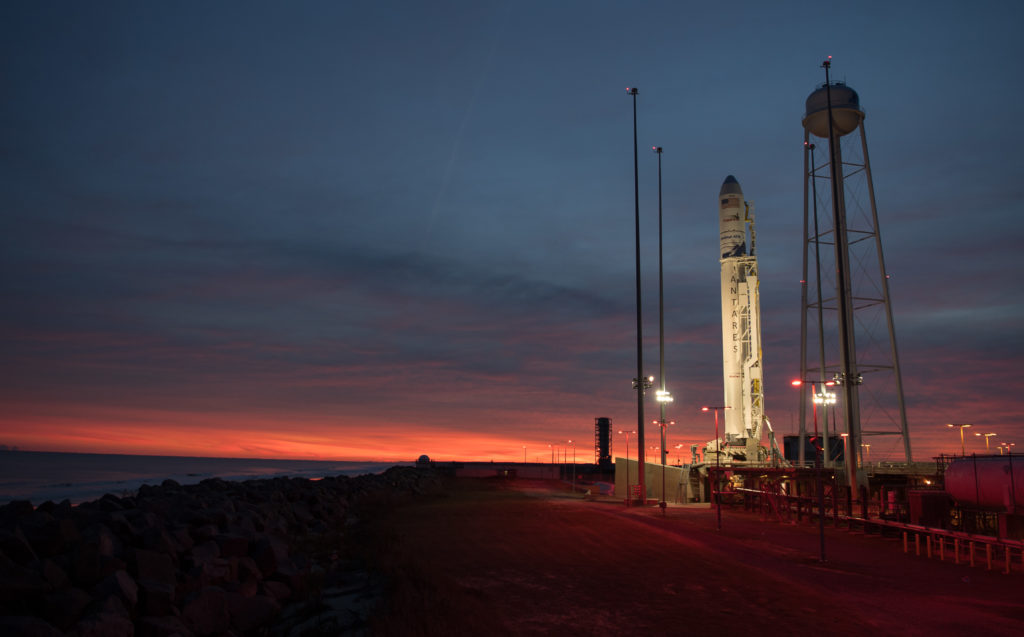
x=797 y=383
x=705 y=409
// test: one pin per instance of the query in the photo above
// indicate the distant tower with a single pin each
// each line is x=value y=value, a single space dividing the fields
x=603 y=441
x=856 y=342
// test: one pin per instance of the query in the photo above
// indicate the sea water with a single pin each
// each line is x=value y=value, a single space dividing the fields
x=39 y=476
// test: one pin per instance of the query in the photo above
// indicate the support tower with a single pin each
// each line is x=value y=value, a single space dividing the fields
x=846 y=326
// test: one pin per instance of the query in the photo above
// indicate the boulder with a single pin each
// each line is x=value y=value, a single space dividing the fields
x=206 y=612
x=18 y=626
x=103 y=625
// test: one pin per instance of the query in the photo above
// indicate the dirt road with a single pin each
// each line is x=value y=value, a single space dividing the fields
x=522 y=559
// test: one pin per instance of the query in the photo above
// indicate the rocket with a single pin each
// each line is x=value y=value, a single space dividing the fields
x=741 y=321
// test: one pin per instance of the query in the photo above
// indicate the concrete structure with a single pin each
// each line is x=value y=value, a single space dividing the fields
x=679 y=486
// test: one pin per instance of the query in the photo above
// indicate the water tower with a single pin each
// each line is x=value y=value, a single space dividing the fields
x=846 y=325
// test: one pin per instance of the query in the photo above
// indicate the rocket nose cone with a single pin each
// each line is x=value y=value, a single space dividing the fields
x=730 y=187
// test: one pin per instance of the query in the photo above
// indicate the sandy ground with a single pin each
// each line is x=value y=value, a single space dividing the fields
x=524 y=558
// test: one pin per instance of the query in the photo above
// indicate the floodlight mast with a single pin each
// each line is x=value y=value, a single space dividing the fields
x=639 y=380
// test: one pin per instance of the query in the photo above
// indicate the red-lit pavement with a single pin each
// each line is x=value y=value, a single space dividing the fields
x=529 y=560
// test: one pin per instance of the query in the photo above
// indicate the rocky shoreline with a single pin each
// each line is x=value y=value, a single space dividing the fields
x=219 y=558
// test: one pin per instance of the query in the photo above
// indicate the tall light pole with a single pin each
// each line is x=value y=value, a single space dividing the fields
x=718 y=465
x=663 y=396
x=987 y=436
x=639 y=380
x=627 y=461
x=961 y=427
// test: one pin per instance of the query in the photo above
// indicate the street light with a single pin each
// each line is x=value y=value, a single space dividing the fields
x=718 y=464
x=987 y=436
x=664 y=451
x=573 y=465
x=824 y=400
x=866 y=458
x=524 y=454
x=961 y=427
x=627 y=461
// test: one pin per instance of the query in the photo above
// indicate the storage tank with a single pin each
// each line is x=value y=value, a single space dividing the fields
x=846 y=111
x=988 y=482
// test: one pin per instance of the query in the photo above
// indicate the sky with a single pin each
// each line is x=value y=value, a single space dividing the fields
x=374 y=230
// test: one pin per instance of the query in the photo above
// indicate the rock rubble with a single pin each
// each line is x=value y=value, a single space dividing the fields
x=215 y=559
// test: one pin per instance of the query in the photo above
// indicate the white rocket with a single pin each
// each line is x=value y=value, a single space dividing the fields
x=741 y=325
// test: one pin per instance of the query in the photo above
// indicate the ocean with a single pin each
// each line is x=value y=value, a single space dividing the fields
x=39 y=476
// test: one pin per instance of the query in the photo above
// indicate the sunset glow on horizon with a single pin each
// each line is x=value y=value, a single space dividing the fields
x=344 y=231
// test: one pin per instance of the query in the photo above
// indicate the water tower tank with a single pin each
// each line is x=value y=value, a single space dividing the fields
x=846 y=112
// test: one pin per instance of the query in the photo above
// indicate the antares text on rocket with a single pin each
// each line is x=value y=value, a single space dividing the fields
x=741 y=322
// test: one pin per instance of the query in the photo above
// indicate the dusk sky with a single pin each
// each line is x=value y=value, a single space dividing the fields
x=371 y=230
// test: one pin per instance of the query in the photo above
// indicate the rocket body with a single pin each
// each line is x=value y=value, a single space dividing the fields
x=731 y=219
x=741 y=324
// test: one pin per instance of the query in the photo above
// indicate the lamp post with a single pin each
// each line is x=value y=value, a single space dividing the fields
x=718 y=465
x=664 y=454
x=677 y=448
x=987 y=436
x=573 y=465
x=866 y=456
x=961 y=427
x=819 y=485
x=627 y=462
x=524 y=454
